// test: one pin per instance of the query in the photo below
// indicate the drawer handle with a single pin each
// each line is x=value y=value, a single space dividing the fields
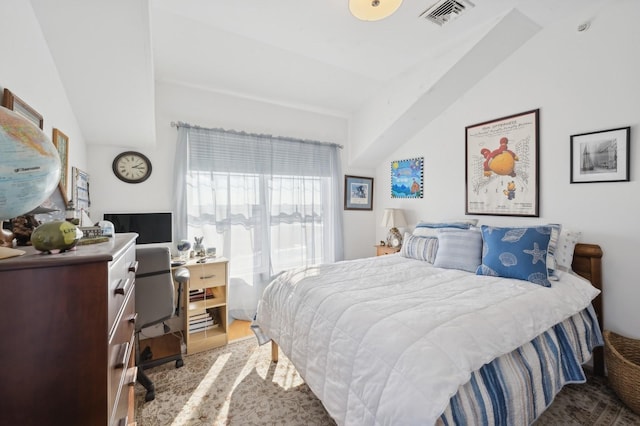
x=133 y=318
x=123 y=354
x=206 y=277
x=132 y=375
x=123 y=288
x=133 y=267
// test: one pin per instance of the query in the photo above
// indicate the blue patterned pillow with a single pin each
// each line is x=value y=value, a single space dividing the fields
x=420 y=248
x=519 y=253
x=459 y=249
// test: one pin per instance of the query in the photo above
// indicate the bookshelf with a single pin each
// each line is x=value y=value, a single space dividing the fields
x=205 y=305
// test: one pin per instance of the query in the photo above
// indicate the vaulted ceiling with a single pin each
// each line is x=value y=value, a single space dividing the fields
x=311 y=55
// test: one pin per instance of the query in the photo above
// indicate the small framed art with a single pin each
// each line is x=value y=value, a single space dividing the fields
x=358 y=193
x=407 y=178
x=601 y=156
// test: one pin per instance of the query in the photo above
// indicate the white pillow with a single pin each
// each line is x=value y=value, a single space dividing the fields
x=564 y=250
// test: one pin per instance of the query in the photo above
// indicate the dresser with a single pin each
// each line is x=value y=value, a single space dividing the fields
x=68 y=335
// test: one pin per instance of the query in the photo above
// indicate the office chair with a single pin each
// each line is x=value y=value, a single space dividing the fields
x=155 y=303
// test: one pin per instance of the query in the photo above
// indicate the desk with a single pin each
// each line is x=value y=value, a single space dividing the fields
x=205 y=305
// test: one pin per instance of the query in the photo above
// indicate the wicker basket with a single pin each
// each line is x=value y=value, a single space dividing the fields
x=622 y=356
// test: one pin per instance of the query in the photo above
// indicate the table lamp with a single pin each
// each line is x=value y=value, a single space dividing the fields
x=393 y=218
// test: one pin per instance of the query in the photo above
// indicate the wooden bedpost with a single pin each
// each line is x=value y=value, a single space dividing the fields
x=274 y=351
x=587 y=262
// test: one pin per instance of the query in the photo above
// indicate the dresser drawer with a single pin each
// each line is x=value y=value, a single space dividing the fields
x=121 y=280
x=121 y=347
x=207 y=275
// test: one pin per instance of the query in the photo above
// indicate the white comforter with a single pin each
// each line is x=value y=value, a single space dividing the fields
x=388 y=340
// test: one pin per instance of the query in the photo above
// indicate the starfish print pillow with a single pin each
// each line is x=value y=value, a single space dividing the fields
x=516 y=252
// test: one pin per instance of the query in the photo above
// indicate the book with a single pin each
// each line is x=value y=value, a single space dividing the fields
x=202 y=327
x=198 y=317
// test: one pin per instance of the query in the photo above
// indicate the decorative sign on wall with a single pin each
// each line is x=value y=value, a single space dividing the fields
x=502 y=166
x=81 y=196
x=407 y=178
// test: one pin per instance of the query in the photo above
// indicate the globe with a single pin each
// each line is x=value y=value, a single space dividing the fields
x=29 y=165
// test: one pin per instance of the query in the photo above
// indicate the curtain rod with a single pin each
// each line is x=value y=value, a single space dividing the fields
x=178 y=124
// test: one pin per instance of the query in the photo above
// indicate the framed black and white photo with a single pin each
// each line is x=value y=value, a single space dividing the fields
x=601 y=156
x=358 y=193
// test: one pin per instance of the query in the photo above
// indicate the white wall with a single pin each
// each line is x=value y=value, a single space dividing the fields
x=581 y=82
x=28 y=70
x=207 y=109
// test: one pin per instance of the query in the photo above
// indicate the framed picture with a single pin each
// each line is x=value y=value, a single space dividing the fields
x=601 y=156
x=80 y=188
x=14 y=103
x=358 y=193
x=502 y=166
x=61 y=142
x=407 y=178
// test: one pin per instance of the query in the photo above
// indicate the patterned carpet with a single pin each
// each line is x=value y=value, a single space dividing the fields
x=238 y=385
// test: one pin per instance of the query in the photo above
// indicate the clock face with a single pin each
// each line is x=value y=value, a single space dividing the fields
x=132 y=167
x=395 y=242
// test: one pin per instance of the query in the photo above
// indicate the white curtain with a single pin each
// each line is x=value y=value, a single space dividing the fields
x=266 y=203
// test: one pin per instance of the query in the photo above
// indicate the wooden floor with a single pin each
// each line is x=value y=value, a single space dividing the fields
x=168 y=345
x=239 y=329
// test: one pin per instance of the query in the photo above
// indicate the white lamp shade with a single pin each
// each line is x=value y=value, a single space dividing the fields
x=393 y=218
x=370 y=10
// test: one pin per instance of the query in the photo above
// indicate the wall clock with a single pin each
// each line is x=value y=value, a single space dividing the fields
x=131 y=167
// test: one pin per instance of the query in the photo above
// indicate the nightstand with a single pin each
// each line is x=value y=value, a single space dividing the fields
x=382 y=250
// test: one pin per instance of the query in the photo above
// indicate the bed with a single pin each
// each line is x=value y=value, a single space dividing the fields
x=398 y=340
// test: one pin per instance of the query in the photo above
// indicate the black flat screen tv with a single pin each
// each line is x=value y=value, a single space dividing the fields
x=151 y=227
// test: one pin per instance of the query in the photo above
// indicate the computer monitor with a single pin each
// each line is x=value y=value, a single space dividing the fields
x=152 y=227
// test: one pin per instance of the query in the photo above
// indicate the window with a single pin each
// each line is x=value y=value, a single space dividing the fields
x=268 y=204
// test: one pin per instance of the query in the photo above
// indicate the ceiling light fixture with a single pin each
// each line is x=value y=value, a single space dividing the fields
x=373 y=10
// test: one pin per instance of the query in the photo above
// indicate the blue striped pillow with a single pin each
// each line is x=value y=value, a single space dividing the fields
x=430 y=229
x=459 y=249
x=420 y=248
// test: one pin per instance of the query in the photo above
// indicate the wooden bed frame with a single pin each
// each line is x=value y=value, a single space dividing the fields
x=587 y=262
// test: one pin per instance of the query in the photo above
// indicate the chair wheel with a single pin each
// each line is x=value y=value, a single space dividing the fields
x=179 y=363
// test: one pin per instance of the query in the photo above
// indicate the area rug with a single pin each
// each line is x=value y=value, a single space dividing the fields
x=238 y=385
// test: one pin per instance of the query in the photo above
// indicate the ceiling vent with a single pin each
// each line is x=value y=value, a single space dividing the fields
x=446 y=10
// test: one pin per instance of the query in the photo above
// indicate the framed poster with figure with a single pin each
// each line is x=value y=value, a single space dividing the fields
x=502 y=166
x=358 y=193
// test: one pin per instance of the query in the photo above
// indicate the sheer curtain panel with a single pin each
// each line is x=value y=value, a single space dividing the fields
x=266 y=203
